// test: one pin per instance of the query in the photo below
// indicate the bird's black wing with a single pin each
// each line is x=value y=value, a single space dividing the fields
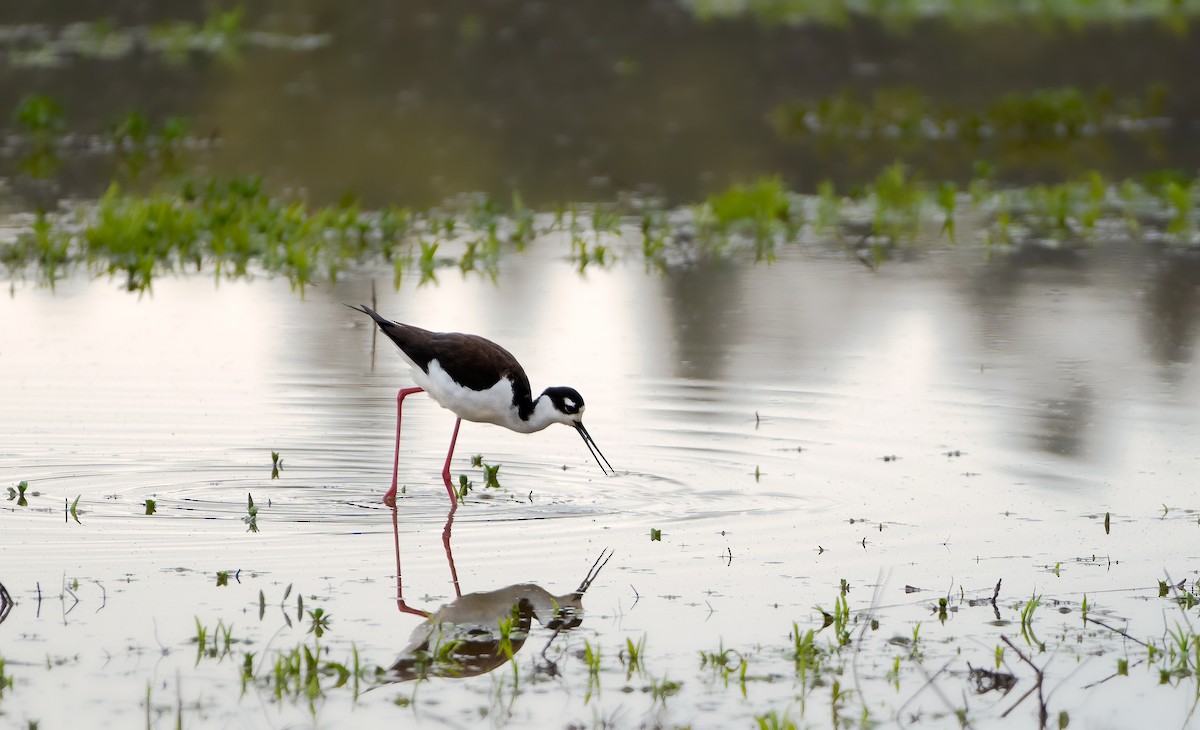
x=472 y=361
x=478 y=363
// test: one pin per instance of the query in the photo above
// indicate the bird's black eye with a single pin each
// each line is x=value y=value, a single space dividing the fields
x=565 y=400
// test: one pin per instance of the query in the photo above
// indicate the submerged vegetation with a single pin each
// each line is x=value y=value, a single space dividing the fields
x=221 y=34
x=1042 y=117
x=900 y=15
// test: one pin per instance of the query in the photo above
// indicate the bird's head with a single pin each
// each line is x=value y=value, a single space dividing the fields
x=567 y=403
x=568 y=409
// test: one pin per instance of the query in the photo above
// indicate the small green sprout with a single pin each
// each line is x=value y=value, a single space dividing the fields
x=19 y=494
x=489 y=476
x=631 y=656
x=774 y=721
x=1027 y=622
x=661 y=689
x=319 y=622
x=591 y=657
x=251 y=518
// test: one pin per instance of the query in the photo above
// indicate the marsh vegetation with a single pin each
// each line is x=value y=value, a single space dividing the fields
x=889 y=310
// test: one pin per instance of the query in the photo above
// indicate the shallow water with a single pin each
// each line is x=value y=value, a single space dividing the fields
x=941 y=424
x=412 y=104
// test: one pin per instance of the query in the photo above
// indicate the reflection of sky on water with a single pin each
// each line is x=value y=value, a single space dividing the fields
x=1033 y=358
x=1021 y=398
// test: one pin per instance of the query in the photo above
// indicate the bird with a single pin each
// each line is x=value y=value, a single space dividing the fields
x=480 y=381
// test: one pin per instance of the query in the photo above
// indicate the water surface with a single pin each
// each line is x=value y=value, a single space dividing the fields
x=942 y=423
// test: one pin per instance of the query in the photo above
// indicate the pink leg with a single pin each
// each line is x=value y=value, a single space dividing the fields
x=400 y=604
x=450 y=553
x=390 y=498
x=446 y=474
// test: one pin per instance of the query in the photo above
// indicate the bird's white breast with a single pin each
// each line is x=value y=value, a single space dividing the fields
x=494 y=405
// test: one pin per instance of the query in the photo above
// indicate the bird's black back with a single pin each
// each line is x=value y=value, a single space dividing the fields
x=472 y=361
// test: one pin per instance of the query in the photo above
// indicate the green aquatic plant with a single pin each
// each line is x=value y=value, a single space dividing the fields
x=811 y=662
x=586 y=244
x=839 y=620
x=829 y=208
x=234 y=228
x=464 y=487
x=6 y=679
x=428 y=262
x=251 y=518
x=138 y=144
x=318 y=622
x=664 y=688
x=306 y=673
x=947 y=202
x=18 y=494
x=490 y=476
x=506 y=626
x=897 y=199
x=220 y=645
x=591 y=658
x=632 y=656
x=1027 y=612
x=774 y=721
x=725 y=662
x=41 y=117
x=761 y=210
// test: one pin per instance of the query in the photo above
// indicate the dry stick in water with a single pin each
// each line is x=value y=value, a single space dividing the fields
x=1043 y=713
x=929 y=682
x=1115 y=630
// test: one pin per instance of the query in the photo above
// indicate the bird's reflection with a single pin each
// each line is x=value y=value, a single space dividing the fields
x=478 y=632
x=449 y=559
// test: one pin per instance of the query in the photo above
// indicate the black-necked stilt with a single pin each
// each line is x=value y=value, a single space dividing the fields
x=480 y=381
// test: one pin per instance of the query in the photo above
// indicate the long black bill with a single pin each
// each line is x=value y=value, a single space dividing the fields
x=587 y=439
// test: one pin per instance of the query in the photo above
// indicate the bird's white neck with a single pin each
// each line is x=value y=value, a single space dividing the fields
x=544 y=414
